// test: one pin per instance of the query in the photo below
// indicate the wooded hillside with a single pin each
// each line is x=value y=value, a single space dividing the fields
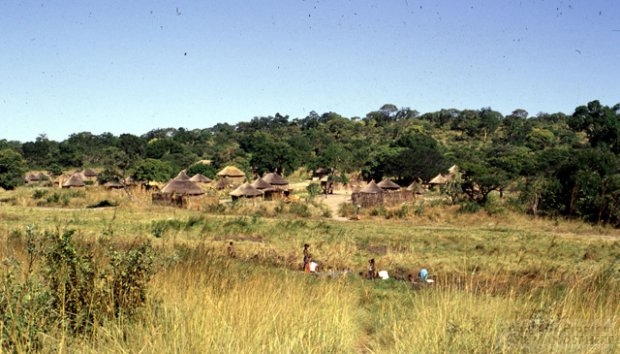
x=559 y=164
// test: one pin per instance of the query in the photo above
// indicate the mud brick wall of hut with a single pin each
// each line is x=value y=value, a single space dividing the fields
x=169 y=199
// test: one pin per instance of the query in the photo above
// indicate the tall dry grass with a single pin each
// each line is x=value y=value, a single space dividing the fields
x=215 y=305
x=504 y=282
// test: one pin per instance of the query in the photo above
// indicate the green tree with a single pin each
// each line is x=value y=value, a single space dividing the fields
x=485 y=171
x=39 y=154
x=152 y=170
x=416 y=156
x=12 y=169
x=133 y=146
x=589 y=185
x=268 y=153
x=115 y=162
x=600 y=123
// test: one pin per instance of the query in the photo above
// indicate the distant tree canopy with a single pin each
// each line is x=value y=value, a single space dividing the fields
x=561 y=164
x=12 y=169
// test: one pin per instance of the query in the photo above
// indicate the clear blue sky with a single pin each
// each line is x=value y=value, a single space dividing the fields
x=132 y=66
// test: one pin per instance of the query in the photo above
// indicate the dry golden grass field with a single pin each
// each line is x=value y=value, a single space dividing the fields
x=139 y=278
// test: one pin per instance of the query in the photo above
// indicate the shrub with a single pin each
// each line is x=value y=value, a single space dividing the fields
x=300 y=209
x=131 y=272
x=20 y=311
x=39 y=193
x=71 y=275
x=419 y=209
x=72 y=290
x=53 y=199
x=313 y=189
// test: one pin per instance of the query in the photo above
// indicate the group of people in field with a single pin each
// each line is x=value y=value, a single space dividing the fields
x=309 y=266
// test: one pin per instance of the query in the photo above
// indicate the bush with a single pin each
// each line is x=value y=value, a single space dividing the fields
x=39 y=193
x=313 y=189
x=300 y=209
x=72 y=290
x=419 y=209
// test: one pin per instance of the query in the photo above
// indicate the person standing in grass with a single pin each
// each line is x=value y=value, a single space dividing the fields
x=232 y=253
x=372 y=269
x=306 y=263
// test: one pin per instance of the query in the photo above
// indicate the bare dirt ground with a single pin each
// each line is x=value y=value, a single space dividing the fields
x=333 y=201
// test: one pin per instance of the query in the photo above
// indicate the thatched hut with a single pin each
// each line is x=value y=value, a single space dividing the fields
x=261 y=184
x=453 y=170
x=89 y=173
x=177 y=191
x=279 y=185
x=223 y=183
x=276 y=181
x=75 y=181
x=181 y=184
x=267 y=189
x=234 y=174
x=245 y=190
x=416 y=188
x=200 y=178
x=371 y=188
x=388 y=185
x=368 y=196
x=438 y=180
x=372 y=195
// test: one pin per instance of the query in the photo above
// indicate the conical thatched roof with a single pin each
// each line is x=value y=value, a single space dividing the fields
x=223 y=183
x=261 y=184
x=388 y=184
x=200 y=178
x=74 y=181
x=182 y=176
x=453 y=170
x=416 y=188
x=231 y=171
x=371 y=188
x=182 y=185
x=275 y=179
x=439 y=179
x=89 y=173
x=246 y=190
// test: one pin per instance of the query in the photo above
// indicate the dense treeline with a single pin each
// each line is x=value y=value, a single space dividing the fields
x=561 y=164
